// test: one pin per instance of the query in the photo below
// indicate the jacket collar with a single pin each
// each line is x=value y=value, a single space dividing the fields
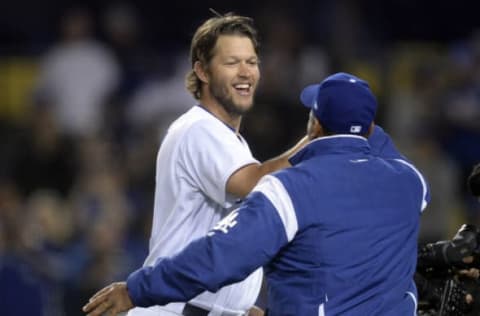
x=341 y=143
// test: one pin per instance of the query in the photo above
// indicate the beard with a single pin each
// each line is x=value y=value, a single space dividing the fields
x=220 y=93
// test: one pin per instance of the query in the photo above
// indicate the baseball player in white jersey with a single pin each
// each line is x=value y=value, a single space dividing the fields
x=204 y=166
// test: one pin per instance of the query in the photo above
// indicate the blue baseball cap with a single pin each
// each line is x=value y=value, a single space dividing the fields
x=343 y=103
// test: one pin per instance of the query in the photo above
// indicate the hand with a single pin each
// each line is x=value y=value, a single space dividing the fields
x=468 y=259
x=472 y=273
x=111 y=300
x=255 y=311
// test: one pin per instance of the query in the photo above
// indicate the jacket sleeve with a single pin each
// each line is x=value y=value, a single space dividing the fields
x=239 y=244
x=382 y=145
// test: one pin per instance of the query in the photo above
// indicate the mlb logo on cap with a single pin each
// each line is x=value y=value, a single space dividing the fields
x=355 y=129
x=343 y=103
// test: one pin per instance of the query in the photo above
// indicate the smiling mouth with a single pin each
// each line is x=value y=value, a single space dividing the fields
x=243 y=89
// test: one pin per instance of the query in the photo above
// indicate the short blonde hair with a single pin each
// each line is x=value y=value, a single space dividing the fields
x=205 y=39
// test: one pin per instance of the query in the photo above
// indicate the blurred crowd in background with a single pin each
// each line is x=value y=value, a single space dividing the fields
x=84 y=109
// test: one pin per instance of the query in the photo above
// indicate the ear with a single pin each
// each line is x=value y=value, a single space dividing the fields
x=314 y=128
x=370 y=129
x=318 y=129
x=200 y=72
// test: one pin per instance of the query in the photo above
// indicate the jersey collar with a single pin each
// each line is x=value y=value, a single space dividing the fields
x=207 y=110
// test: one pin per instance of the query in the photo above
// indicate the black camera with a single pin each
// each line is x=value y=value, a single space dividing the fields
x=447 y=275
x=450 y=253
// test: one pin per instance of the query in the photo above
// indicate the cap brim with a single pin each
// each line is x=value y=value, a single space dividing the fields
x=309 y=95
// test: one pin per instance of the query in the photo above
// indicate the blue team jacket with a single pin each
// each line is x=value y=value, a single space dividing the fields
x=336 y=235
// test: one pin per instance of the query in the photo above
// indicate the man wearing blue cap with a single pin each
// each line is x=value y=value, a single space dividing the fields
x=336 y=233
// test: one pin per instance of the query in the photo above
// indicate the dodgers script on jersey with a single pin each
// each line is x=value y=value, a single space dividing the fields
x=196 y=158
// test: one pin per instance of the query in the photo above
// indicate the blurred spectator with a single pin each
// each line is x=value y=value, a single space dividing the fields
x=77 y=76
x=122 y=31
x=48 y=237
x=22 y=291
x=282 y=62
x=459 y=116
x=158 y=102
x=106 y=217
x=124 y=35
x=413 y=87
x=46 y=158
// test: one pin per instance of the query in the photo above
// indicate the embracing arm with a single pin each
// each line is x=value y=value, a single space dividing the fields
x=242 y=181
x=239 y=244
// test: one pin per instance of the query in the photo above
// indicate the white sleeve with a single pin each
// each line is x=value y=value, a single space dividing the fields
x=273 y=189
x=210 y=154
x=426 y=193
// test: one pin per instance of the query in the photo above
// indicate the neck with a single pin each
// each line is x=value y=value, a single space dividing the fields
x=212 y=105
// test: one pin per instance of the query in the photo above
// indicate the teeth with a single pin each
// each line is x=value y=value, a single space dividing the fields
x=242 y=86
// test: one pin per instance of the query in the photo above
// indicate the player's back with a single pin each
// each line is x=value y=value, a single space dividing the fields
x=355 y=249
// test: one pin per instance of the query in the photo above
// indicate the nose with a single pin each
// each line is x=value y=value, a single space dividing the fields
x=244 y=70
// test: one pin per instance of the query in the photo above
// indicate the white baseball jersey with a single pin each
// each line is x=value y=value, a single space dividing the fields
x=196 y=159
